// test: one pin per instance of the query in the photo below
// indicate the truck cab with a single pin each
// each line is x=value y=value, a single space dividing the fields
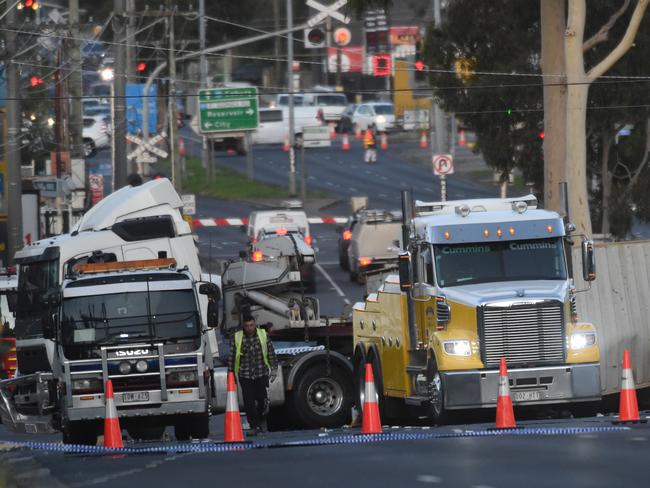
x=482 y=280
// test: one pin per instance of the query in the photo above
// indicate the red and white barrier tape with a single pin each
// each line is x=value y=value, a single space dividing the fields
x=244 y=221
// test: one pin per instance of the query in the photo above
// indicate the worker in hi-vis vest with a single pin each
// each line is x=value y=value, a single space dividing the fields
x=370 y=146
x=253 y=360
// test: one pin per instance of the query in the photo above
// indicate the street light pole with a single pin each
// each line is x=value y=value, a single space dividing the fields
x=119 y=92
x=292 y=136
x=205 y=151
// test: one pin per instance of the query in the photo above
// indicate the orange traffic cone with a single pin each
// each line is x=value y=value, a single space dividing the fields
x=628 y=409
x=285 y=146
x=357 y=132
x=462 y=141
x=384 y=141
x=505 y=413
x=232 y=429
x=112 y=430
x=332 y=127
x=424 y=143
x=371 y=423
x=345 y=145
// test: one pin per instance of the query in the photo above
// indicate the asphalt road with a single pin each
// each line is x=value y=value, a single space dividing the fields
x=542 y=454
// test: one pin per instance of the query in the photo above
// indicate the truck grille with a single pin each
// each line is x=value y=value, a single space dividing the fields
x=526 y=334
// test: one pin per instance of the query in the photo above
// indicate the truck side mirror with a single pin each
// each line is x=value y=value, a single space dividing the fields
x=49 y=326
x=209 y=289
x=588 y=260
x=404 y=266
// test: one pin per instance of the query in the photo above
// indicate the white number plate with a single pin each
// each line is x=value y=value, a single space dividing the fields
x=527 y=396
x=136 y=396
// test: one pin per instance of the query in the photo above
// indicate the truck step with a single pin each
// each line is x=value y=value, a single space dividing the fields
x=416 y=400
x=413 y=369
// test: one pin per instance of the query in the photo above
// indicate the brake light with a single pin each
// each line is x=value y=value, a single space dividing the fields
x=253 y=240
x=365 y=261
x=347 y=235
x=309 y=240
x=257 y=256
x=281 y=231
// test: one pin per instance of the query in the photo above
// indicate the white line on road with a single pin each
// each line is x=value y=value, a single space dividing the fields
x=334 y=285
x=428 y=478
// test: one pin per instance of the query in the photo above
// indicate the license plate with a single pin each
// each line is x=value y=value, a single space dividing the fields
x=136 y=396
x=527 y=396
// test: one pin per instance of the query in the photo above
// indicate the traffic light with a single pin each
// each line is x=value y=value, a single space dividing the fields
x=34 y=81
x=420 y=67
x=141 y=66
x=314 y=38
x=381 y=65
x=342 y=36
x=28 y=4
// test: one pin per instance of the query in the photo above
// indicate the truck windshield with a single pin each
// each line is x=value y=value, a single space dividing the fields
x=36 y=281
x=464 y=264
x=120 y=317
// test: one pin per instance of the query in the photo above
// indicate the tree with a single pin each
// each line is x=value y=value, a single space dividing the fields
x=578 y=82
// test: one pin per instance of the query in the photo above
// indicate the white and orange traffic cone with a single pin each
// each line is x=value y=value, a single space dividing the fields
x=505 y=412
x=384 y=141
x=371 y=422
x=332 y=127
x=462 y=141
x=345 y=144
x=232 y=428
x=357 y=132
x=424 y=142
x=112 y=430
x=628 y=408
x=285 y=146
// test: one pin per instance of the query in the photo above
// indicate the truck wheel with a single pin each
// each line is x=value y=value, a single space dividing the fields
x=146 y=432
x=80 y=432
x=437 y=410
x=343 y=262
x=322 y=400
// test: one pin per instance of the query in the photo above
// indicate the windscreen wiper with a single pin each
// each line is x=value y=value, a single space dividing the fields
x=115 y=335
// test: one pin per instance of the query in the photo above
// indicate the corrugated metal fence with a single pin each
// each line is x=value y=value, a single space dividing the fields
x=618 y=304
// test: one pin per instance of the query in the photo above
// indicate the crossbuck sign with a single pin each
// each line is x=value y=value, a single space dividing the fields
x=146 y=151
x=325 y=11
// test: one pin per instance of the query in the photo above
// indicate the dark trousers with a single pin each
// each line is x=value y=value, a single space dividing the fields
x=254 y=393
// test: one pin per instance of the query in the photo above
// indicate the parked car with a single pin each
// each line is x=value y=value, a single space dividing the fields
x=96 y=134
x=374 y=245
x=377 y=115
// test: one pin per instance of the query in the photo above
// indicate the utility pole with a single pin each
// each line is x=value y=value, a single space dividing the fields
x=171 y=106
x=14 y=183
x=130 y=43
x=276 y=42
x=292 y=138
x=75 y=83
x=203 y=65
x=119 y=93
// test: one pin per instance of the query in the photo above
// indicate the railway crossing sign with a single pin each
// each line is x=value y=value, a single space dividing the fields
x=228 y=109
x=443 y=164
x=146 y=151
x=325 y=11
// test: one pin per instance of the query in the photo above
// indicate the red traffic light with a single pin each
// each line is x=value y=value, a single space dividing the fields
x=381 y=65
x=316 y=36
x=141 y=66
x=419 y=65
x=35 y=81
x=541 y=135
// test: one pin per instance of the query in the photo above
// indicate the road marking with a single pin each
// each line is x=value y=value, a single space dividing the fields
x=428 y=478
x=639 y=439
x=334 y=285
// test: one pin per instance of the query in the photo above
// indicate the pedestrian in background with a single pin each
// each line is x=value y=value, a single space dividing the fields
x=253 y=360
x=370 y=146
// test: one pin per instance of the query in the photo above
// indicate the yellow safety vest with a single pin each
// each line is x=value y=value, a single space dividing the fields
x=239 y=337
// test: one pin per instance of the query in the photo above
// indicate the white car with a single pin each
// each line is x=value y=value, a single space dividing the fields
x=96 y=134
x=378 y=115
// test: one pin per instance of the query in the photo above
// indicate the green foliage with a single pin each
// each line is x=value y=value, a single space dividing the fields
x=498 y=95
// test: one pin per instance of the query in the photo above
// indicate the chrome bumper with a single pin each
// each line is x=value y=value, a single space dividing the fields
x=545 y=385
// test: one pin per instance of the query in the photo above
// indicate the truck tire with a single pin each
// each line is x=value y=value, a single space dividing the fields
x=81 y=432
x=322 y=400
x=195 y=426
x=360 y=374
x=437 y=411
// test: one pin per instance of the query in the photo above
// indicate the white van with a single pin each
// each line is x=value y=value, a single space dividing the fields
x=274 y=124
x=330 y=102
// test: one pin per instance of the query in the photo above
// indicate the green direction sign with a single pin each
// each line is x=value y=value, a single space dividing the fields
x=228 y=109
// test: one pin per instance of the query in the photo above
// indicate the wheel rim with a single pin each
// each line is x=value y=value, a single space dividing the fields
x=325 y=396
x=362 y=391
x=435 y=392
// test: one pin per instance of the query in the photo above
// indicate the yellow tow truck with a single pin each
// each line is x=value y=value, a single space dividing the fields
x=478 y=280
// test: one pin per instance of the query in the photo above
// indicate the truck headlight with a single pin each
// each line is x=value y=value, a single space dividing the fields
x=184 y=378
x=580 y=340
x=87 y=385
x=457 y=348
